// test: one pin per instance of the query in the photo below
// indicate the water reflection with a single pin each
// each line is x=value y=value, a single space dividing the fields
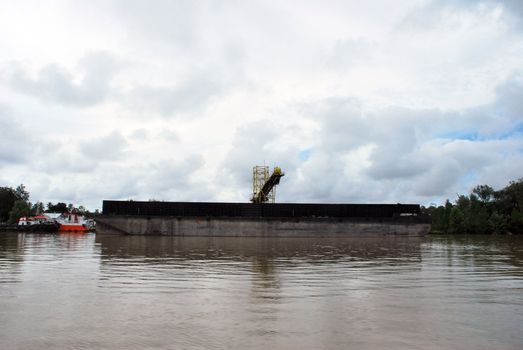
x=378 y=250
x=481 y=252
x=122 y=292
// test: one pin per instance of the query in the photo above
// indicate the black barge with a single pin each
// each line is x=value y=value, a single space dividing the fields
x=260 y=219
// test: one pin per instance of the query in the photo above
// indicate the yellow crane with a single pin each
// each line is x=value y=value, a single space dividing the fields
x=263 y=185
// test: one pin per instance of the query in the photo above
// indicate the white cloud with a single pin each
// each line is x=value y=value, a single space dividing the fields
x=14 y=139
x=53 y=83
x=404 y=101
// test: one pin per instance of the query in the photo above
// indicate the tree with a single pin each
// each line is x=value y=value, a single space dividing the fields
x=448 y=210
x=498 y=223
x=516 y=221
x=439 y=222
x=59 y=207
x=7 y=200
x=20 y=208
x=484 y=192
x=37 y=208
x=511 y=197
x=40 y=208
x=457 y=221
x=21 y=193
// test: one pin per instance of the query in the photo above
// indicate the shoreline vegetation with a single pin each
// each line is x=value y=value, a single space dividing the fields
x=483 y=211
x=14 y=204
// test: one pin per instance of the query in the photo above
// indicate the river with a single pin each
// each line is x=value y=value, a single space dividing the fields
x=92 y=292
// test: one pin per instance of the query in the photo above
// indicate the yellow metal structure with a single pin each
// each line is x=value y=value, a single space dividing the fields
x=263 y=185
x=260 y=175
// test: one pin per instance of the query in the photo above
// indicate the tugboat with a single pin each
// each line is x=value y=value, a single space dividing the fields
x=55 y=222
x=72 y=222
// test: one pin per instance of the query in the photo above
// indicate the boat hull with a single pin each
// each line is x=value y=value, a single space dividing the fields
x=72 y=228
x=260 y=220
x=258 y=227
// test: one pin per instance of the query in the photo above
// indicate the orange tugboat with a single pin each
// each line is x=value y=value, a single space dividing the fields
x=72 y=222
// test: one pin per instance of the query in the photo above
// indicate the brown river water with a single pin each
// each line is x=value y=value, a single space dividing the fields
x=93 y=292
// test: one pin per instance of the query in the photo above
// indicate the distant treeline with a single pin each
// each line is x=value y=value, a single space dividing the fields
x=14 y=204
x=484 y=211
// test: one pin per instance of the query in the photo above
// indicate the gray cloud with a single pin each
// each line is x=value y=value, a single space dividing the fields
x=428 y=16
x=509 y=102
x=56 y=158
x=170 y=178
x=191 y=95
x=54 y=83
x=169 y=135
x=347 y=53
x=514 y=6
x=15 y=142
x=436 y=63
x=174 y=179
x=343 y=125
x=410 y=153
x=254 y=144
x=104 y=148
x=175 y=22
x=249 y=146
x=166 y=179
x=60 y=158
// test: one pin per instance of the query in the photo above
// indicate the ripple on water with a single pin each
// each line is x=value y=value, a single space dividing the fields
x=73 y=291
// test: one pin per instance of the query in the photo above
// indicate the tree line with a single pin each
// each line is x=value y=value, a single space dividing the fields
x=14 y=204
x=483 y=211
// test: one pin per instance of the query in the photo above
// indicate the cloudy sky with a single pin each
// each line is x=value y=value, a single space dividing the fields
x=357 y=101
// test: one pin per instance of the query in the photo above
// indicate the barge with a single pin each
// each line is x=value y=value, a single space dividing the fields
x=260 y=219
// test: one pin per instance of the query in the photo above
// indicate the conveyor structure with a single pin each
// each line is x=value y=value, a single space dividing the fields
x=263 y=189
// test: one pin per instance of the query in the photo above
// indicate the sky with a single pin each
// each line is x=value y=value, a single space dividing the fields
x=378 y=101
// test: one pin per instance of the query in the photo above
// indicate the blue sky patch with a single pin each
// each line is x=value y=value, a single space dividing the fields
x=461 y=135
x=305 y=154
x=475 y=136
x=470 y=179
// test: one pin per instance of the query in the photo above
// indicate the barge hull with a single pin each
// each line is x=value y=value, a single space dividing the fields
x=258 y=227
x=260 y=220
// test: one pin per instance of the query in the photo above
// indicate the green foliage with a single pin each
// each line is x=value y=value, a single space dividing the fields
x=516 y=221
x=484 y=192
x=20 y=208
x=37 y=208
x=14 y=203
x=484 y=211
x=7 y=200
x=457 y=221
x=56 y=208
x=21 y=193
x=498 y=223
